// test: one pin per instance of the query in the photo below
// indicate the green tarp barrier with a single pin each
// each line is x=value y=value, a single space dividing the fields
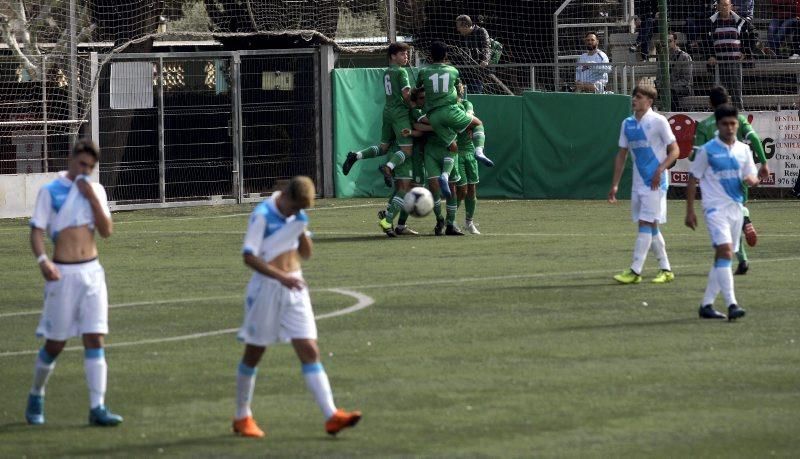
x=545 y=145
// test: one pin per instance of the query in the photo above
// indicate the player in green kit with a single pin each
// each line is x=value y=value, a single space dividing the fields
x=407 y=173
x=707 y=130
x=468 y=165
x=396 y=126
x=446 y=119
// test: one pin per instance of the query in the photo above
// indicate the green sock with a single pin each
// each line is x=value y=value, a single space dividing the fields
x=448 y=163
x=478 y=136
x=403 y=217
x=397 y=158
x=437 y=205
x=452 y=207
x=741 y=255
x=395 y=206
x=369 y=152
x=470 y=204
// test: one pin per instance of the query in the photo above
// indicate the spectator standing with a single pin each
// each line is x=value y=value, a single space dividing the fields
x=680 y=72
x=744 y=8
x=784 y=19
x=591 y=72
x=727 y=36
x=477 y=46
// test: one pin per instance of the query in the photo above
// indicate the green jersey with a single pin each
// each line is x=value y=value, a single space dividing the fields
x=439 y=81
x=707 y=130
x=395 y=80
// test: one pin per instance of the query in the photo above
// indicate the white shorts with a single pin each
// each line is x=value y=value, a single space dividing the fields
x=275 y=314
x=725 y=225
x=75 y=304
x=649 y=205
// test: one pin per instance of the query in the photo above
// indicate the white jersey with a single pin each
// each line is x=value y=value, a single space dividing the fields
x=721 y=169
x=647 y=140
x=60 y=205
x=595 y=73
x=270 y=233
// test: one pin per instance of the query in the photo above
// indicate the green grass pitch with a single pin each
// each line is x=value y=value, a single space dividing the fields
x=516 y=343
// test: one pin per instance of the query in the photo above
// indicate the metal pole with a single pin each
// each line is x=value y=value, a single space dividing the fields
x=533 y=78
x=237 y=174
x=162 y=167
x=391 y=16
x=327 y=63
x=663 y=57
x=73 y=69
x=44 y=112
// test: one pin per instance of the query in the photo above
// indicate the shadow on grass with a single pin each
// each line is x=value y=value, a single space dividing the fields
x=626 y=325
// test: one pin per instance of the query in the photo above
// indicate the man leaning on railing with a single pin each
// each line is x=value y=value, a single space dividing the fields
x=591 y=71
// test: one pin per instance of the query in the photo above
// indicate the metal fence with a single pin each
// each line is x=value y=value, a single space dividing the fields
x=214 y=126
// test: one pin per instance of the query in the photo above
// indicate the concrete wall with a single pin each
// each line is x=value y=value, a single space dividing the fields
x=18 y=193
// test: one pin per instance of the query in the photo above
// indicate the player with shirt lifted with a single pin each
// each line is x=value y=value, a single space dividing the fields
x=278 y=307
x=446 y=118
x=396 y=126
x=706 y=131
x=70 y=209
x=721 y=165
x=648 y=137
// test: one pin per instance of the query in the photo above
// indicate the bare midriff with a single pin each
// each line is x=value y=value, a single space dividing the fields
x=75 y=244
x=287 y=261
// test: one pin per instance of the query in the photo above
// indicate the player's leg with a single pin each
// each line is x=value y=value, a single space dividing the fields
x=96 y=369
x=658 y=245
x=43 y=368
x=644 y=218
x=749 y=234
x=396 y=208
x=387 y=136
x=471 y=198
x=401 y=130
x=318 y=384
x=433 y=168
x=395 y=205
x=243 y=422
x=457 y=179
x=441 y=121
x=479 y=140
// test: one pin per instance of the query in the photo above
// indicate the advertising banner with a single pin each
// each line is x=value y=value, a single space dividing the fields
x=779 y=132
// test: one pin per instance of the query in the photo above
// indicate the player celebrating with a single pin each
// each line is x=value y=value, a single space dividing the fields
x=405 y=173
x=395 y=117
x=278 y=307
x=649 y=138
x=70 y=208
x=721 y=166
x=446 y=118
x=468 y=165
x=705 y=131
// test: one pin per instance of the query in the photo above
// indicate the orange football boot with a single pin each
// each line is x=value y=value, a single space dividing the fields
x=247 y=427
x=341 y=419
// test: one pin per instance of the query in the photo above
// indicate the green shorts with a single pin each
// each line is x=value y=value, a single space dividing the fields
x=405 y=171
x=456 y=176
x=434 y=157
x=448 y=121
x=467 y=169
x=392 y=129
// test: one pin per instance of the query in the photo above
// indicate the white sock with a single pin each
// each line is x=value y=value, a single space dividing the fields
x=390 y=165
x=45 y=364
x=359 y=155
x=245 y=384
x=94 y=363
x=643 y=241
x=317 y=382
x=722 y=269
x=478 y=151
x=712 y=288
x=660 y=249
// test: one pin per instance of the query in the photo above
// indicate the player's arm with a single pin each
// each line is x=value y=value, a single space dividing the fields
x=673 y=151
x=99 y=203
x=755 y=143
x=38 y=223
x=619 y=166
x=405 y=86
x=749 y=172
x=691 y=192
x=422 y=127
x=306 y=246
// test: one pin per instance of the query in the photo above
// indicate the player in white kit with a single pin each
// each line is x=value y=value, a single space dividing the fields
x=648 y=137
x=278 y=307
x=721 y=166
x=70 y=209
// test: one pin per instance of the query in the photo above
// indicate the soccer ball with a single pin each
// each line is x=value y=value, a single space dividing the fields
x=418 y=202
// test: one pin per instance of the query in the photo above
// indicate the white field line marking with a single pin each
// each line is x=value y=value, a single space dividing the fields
x=209 y=217
x=419 y=283
x=363 y=301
